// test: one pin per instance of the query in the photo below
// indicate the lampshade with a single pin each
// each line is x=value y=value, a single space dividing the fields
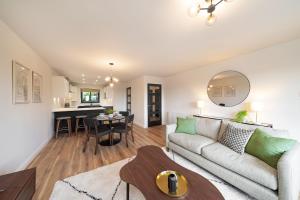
x=256 y=106
x=200 y=104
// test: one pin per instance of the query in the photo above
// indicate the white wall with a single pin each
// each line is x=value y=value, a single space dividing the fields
x=119 y=96
x=137 y=100
x=25 y=128
x=274 y=75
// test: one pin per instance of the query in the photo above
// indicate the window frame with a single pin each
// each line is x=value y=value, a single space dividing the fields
x=90 y=91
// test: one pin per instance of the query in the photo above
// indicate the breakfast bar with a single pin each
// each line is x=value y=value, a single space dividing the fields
x=78 y=111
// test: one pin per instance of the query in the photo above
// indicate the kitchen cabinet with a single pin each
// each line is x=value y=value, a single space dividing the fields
x=60 y=90
x=108 y=92
x=60 y=87
x=74 y=93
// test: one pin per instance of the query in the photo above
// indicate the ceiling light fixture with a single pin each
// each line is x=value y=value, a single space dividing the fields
x=110 y=78
x=195 y=9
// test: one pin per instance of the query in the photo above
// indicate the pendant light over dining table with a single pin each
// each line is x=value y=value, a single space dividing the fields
x=111 y=79
x=196 y=7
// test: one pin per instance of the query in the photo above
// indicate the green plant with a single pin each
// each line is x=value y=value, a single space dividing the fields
x=109 y=111
x=240 y=116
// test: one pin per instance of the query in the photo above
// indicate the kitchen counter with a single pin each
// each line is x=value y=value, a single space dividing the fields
x=76 y=109
x=73 y=112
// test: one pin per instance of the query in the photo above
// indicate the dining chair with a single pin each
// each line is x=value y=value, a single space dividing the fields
x=124 y=113
x=95 y=129
x=125 y=128
x=130 y=125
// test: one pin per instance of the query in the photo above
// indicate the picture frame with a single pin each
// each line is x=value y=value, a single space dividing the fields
x=37 y=83
x=229 y=91
x=20 y=83
x=216 y=91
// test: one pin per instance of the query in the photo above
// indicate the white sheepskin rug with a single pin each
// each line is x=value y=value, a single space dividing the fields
x=104 y=184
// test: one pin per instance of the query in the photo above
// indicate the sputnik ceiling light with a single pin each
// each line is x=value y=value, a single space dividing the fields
x=110 y=78
x=195 y=9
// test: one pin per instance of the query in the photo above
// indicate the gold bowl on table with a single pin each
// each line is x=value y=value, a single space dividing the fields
x=162 y=183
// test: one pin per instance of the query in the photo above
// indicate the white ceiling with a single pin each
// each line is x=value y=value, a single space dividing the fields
x=145 y=37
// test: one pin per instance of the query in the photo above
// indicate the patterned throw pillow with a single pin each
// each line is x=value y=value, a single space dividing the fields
x=236 y=138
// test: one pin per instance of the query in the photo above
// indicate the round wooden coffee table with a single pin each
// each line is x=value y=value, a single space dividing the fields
x=150 y=161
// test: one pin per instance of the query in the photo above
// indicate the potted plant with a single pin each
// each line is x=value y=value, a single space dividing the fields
x=240 y=117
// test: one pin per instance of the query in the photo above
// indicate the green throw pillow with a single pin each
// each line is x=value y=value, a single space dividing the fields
x=268 y=148
x=186 y=125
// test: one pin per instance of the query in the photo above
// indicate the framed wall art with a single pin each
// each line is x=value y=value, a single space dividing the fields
x=229 y=91
x=37 y=82
x=21 y=83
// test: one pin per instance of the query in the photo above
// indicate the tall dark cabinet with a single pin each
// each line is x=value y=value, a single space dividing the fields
x=154 y=104
x=128 y=99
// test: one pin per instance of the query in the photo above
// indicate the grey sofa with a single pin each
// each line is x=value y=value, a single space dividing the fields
x=245 y=172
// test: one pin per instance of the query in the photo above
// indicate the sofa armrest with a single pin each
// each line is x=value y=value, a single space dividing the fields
x=170 y=129
x=289 y=174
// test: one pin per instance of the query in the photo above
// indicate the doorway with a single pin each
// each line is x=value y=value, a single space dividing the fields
x=154 y=105
x=128 y=100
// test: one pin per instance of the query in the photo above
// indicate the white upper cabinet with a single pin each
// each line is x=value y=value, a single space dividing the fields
x=74 y=93
x=60 y=87
x=108 y=92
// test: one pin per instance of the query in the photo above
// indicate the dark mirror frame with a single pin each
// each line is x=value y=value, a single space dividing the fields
x=236 y=103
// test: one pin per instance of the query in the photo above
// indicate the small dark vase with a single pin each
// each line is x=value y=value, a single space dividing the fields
x=172 y=183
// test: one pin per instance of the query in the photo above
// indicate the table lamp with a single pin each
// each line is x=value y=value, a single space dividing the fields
x=256 y=107
x=200 y=105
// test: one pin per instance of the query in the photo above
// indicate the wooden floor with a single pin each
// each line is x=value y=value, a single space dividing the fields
x=63 y=157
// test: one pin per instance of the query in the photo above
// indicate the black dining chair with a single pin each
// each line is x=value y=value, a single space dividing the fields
x=124 y=113
x=95 y=129
x=125 y=128
x=130 y=125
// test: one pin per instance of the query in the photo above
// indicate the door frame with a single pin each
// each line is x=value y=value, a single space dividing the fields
x=159 y=122
x=127 y=103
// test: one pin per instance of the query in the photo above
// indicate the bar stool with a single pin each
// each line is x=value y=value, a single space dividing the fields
x=78 y=125
x=68 y=128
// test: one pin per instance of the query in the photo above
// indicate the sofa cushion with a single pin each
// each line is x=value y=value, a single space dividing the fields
x=236 y=138
x=208 y=127
x=271 y=131
x=267 y=148
x=186 y=125
x=245 y=165
x=193 y=143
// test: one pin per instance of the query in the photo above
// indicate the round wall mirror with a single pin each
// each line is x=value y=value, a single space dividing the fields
x=228 y=88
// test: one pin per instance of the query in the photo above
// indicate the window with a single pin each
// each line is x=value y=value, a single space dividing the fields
x=90 y=96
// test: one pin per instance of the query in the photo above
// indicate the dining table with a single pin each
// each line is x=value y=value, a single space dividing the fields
x=109 y=119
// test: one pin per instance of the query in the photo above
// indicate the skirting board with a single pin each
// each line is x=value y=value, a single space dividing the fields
x=33 y=155
x=143 y=126
x=139 y=124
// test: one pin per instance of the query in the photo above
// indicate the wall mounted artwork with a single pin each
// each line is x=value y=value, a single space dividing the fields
x=229 y=91
x=21 y=83
x=216 y=91
x=37 y=81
